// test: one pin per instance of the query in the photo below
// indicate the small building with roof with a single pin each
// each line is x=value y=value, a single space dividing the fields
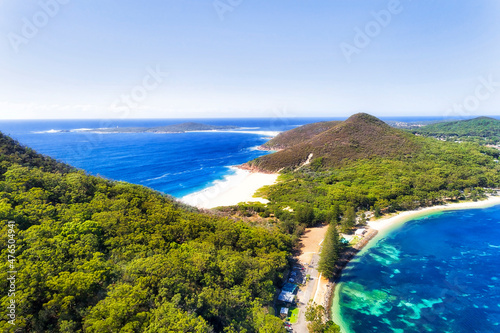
x=287 y=294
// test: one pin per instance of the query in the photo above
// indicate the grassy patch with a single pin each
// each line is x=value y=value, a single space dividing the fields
x=294 y=315
x=355 y=240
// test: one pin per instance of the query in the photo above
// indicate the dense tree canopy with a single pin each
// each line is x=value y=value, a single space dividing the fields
x=482 y=130
x=315 y=316
x=444 y=170
x=100 y=256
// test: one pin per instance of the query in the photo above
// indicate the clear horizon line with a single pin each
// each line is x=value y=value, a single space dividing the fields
x=268 y=117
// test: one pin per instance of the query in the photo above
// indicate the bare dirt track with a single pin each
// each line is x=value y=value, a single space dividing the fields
x=310 y=245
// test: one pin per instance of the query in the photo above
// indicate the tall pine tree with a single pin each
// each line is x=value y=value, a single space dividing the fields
x=330 y=252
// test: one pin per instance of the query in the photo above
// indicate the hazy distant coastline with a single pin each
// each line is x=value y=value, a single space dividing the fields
x=176 y=128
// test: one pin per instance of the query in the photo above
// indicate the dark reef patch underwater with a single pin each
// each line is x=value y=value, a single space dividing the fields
x=438 y=273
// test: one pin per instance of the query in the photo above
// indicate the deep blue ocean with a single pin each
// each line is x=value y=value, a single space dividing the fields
x=176 y=164
x=439 y=273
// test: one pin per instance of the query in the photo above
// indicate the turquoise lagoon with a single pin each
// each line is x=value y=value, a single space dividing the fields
x=435 y=273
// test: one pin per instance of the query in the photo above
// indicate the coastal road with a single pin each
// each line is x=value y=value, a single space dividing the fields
x=306 y=293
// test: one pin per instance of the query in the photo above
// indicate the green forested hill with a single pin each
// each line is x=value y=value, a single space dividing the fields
x=482 y=129
x=298 y=135
x=99 y=256
x=364 y=165
x=11 y=152
x=360 y=136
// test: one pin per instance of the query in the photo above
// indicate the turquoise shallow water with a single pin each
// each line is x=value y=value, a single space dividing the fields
x=439 y=273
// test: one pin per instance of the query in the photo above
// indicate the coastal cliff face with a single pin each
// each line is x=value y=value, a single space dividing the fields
x=334 y=143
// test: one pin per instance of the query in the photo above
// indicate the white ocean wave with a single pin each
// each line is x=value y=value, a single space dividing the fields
x=173 y=174
x=264 y=133
x=254 y=148
x=216 y=187
x=47 y=132
x=81 y=130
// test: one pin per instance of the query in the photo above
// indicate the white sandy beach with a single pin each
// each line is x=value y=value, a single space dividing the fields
x=236 y=188
x=386 y=223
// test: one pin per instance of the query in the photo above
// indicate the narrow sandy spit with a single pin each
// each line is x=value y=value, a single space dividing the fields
x=236 y=188
x=390 y=222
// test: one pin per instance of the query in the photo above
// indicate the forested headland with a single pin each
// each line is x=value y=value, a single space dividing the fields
x=362 y=164
x=482 y=130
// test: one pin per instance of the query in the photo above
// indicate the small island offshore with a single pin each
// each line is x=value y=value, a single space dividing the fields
x=97 y=255
x=175 y=128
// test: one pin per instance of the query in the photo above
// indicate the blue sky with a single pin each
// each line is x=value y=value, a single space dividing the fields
x=242 y=58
